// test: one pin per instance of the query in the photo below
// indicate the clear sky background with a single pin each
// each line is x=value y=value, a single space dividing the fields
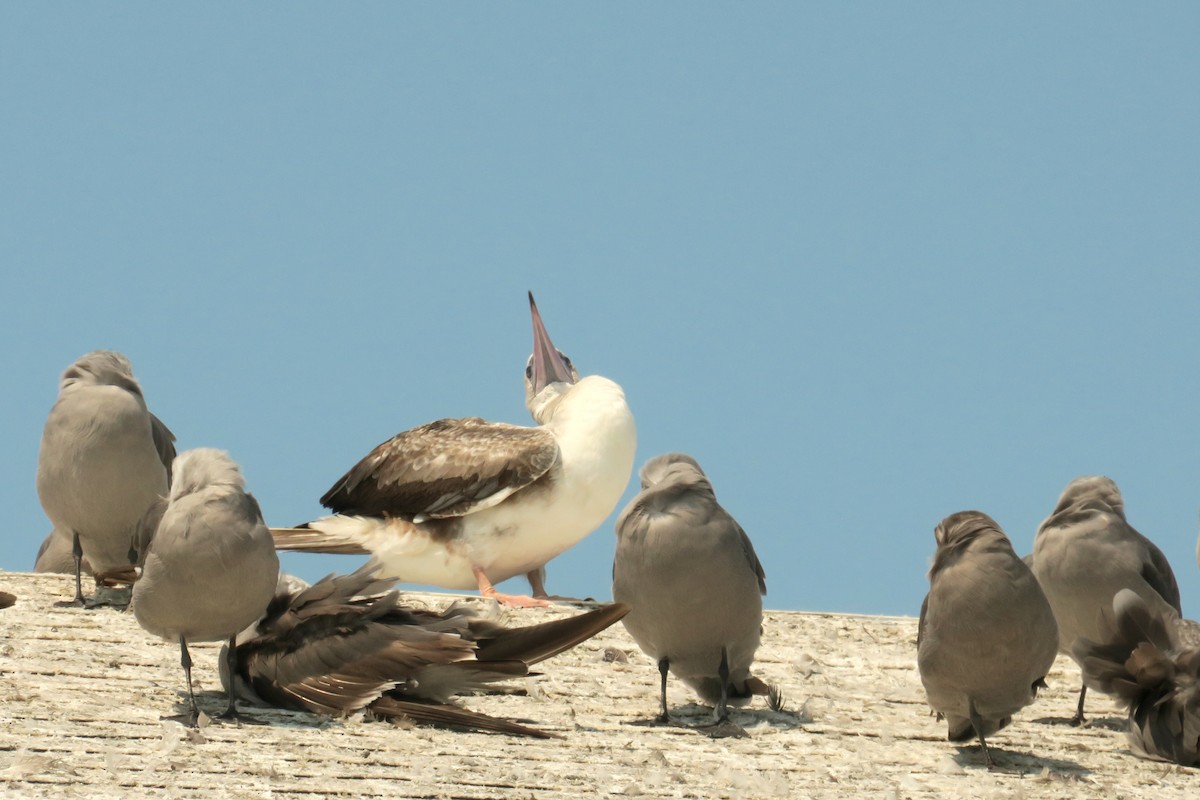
x=870 y=263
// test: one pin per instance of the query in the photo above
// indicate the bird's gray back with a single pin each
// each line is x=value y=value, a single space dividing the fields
x=210 y=570
x=691 y=577
x=1083 y=557
x=99 y=469
x=987 y=632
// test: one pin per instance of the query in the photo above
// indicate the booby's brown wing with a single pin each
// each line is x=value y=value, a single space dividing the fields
x=447 y=468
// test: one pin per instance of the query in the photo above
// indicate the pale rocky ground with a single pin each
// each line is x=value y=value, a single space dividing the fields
x=82 y=693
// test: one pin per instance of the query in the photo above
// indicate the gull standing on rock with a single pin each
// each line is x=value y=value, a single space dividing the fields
x=986 y=636
x=1149 y=659
x=104 y=460
x=210 y=569
x=690 y=574
x=1085 y=552
x=340 y=646
x=465 y=503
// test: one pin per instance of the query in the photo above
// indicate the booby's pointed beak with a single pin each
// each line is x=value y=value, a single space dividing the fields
x=548 y=364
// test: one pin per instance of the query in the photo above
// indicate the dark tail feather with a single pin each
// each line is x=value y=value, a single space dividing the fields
x=535 y=643
x=452 y=716
x=1140 y=665
x=309 y=540
x=1133 y=655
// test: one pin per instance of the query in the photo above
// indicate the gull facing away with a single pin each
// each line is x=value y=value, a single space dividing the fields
x=694 y=583
x=1149 y=659
x=465 y=503
x=210 y=569
x=335 y=649
x=104 y=460
x=1085 y=552
x=986 y=637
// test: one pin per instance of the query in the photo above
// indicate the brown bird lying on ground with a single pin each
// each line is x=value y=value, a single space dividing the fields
x=1149 y=659
x=333 y=649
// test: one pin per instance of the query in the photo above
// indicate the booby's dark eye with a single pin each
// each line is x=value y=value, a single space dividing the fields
x=529 y=369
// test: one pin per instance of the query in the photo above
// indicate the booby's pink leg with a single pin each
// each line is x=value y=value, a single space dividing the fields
x=537 y=582
x=511 y=600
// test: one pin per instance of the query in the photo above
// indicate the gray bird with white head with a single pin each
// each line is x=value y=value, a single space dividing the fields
x=986 y=636
x=466 y=503
x=104 y=460
x=1085 y=552
x=210 y=569
x=694 y=583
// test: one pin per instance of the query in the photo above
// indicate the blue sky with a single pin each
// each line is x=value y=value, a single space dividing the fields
x=869 y=263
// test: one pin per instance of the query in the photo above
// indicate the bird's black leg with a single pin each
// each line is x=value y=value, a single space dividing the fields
x=231 y=711
x=977 y=724
x=1078 y=718
x=185 y=659
x=722 y=710
x=77 y=555
x=663 y=666
x=724 y=726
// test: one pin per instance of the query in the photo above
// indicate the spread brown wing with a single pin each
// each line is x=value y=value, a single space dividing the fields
x=446 y=715
x=447 y=468
x=336 y=672
x=534 y=643
x=325 y=650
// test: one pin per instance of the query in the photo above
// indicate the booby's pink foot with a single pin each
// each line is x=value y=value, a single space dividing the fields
x=517 y=600
x=511 y=600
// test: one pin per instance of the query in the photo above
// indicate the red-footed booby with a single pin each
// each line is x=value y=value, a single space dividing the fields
x=466 y=503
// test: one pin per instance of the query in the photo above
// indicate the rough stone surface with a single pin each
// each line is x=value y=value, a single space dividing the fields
x=82 y=693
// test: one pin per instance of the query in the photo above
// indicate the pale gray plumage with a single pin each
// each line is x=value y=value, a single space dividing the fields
x=1149 y=659
x=694 y=583
x=1085 y=552
x=210 y=569
x=986 y=636
x=104 y=459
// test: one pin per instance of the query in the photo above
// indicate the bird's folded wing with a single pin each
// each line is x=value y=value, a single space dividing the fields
x=447 y=468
